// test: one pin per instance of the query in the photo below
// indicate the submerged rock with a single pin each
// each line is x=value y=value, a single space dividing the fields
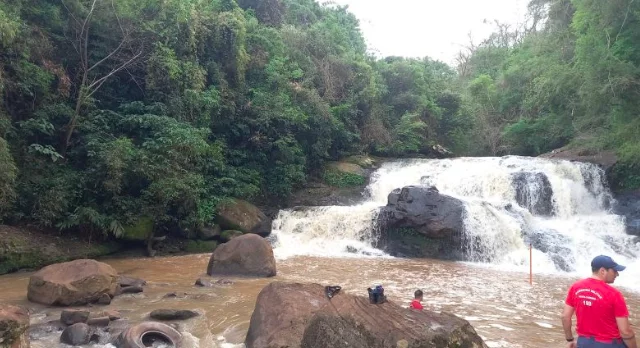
x=173 y=314
x=77 y=334
x=300 y=315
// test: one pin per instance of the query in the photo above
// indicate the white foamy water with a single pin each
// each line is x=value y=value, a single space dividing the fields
x=560 y=207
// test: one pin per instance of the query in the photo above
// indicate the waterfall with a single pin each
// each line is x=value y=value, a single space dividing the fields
x=559 y=207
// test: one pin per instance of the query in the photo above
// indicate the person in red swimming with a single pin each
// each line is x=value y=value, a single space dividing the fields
x=417 y=298
x=601 y=312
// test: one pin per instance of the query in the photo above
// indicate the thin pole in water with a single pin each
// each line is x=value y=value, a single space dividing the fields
x=530 y=265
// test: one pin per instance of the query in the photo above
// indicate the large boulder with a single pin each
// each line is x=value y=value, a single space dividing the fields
x=246 y=255
x=420 y=222
x=282 y=313
x=14 y=322
x=300 y=315
x=73 y=283
x=243 y=216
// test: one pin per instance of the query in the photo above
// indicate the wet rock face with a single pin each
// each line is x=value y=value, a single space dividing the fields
x=628 y=205
x=420 y=222
x=534 y=192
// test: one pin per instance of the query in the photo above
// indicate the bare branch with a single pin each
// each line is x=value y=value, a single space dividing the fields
x=626 y=15
x=70 y=13
x=95 y=85
x=108 y=56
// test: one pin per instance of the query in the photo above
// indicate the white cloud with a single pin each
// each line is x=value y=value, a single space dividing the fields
x=434 y=28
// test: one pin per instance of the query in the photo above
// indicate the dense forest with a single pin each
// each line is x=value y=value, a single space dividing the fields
x=113 y=110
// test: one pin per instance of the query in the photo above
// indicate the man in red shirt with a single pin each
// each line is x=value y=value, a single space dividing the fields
x=600 y=309
x=417 y=298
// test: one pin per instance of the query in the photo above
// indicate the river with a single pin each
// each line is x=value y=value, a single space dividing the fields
x=336 y=246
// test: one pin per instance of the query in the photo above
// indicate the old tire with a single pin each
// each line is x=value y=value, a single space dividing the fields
x=139 y=336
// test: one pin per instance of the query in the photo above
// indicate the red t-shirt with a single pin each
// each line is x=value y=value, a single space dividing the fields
x=597 y=306
x=415 y=304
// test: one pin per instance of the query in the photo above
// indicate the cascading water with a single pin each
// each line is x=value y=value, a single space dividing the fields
x=559 y=207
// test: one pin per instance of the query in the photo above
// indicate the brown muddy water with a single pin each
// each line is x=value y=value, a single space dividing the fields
x=504 y=309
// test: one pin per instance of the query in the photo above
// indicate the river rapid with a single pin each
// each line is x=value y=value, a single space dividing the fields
x=562 y=208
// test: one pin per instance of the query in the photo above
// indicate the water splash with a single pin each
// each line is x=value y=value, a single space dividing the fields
x=560 y=207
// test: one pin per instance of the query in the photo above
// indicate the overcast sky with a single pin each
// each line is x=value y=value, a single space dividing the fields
x=434 y=28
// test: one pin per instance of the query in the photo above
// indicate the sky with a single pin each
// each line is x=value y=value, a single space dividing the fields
x=435 y=28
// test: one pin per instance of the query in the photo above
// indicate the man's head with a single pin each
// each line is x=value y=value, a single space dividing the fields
x=605 y=269
x=418 y=295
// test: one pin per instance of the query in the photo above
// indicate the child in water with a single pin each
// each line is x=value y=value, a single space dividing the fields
x=417 y=298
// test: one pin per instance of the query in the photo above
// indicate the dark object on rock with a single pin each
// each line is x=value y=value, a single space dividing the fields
x=77 y=282
x=421 y=222
x=14 y=322
x=104 y=299
x=204 y=282
x=533 y=192
x=224 y=282
x=331 y=291
x=100 y=321
x=149 y=334
x=173 y=314
x=247 y=255
x=376 y=295
x=70 y=317
x=125 y=281
x=77 y=334
x=300 y=315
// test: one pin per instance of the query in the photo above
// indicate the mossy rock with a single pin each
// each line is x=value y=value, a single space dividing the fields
x=345 y=167
x=240 y=215
x=140 y=231
x=363 y=161
x=230 y=234
x=200 y=246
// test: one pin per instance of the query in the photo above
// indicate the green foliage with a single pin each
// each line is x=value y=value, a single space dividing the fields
x=342 y=179
x=227 y=100
x=8 y=175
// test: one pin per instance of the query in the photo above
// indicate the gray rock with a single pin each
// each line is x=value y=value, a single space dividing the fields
x=77 y=334
x=70 y=317
x=125 y=281
x=421 y=222
x=173 y=314
x=135 y=289
x=104 y=299
x=101 y=321
x=204 y=283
